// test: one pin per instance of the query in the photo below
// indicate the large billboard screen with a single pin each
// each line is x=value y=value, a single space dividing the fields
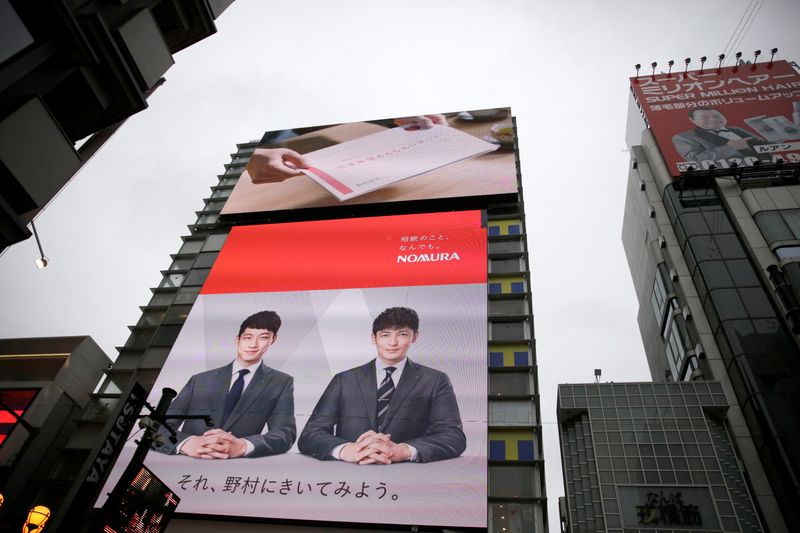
x=371 y=402
x=723 y=117
x=428 y=157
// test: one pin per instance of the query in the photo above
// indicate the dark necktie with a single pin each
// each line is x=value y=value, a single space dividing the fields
x=234 y=394
x=385 y=392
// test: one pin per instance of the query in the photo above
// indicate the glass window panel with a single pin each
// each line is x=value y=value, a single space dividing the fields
x=509 y=384
x=730 y=246
x=177 y=314
x=757 y=303
x=196 y=276
x=214 y=242
x=162 y=298
x=499 y=247
x=511 y=413
x=166 y=335
x=505 y=266
x=207 y=219
x=704 y=248
x=182 y=263
x=508 y=331
x=172 y=280
x=205 y=259
x=718 y=221
x=191 y=247
x=742 y=273
x=512 y=482
x=792 y=218
x=715 y=275
x=694 y=223
x=187 y=295
x=728 y=304
x=506 y=517
x=152 y=317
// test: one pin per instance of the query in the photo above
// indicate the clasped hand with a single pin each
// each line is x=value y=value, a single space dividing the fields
x=214 y=444
x=374 y=448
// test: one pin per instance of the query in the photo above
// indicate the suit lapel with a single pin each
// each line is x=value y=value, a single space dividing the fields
x=257 y=384
x=220 y=384
x=367 y=385
x=711 y=138
x=408 y=381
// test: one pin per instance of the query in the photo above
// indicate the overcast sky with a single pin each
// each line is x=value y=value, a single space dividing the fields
x=563 y=67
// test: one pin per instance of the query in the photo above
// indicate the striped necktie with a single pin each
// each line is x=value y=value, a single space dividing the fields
x=385 y=393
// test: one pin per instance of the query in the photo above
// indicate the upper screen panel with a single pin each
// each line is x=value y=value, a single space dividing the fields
x=733 y=115
x=428 y=157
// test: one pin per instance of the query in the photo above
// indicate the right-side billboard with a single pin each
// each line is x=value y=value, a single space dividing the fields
x=732 y=116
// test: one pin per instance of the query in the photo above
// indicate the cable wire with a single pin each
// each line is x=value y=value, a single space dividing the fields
x=748 y=24
x=731 y=39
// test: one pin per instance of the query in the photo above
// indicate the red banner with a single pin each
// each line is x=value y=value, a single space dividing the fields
x=723 y=117
x=407 y=250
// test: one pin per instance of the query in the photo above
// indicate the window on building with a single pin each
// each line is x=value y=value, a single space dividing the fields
x=691 y=366
x=788 y=252
x=511 y=413
x=513 y=482
x=509 y=384
x=508 y=331
x=505 y=266
x=659 y=296
x=674 y=350
x=509 y=517
x=500 y=247
x=181 y=263
x=172 y=280
x=191 y=247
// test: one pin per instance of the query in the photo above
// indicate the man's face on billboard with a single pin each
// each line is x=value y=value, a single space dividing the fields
x=709 y=119
x=252 y=344
x=393 y=344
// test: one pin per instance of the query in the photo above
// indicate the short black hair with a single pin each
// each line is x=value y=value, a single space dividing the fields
x=396 y=318
x=703 y=108
x=268 y=320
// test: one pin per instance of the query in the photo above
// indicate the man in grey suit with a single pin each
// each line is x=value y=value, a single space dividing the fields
x=389 y=410
x=713 y=139
x=241 y=397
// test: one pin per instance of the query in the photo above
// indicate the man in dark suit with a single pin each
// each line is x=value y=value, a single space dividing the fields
x=241 y=397
x=712 y=139
x=389 y=410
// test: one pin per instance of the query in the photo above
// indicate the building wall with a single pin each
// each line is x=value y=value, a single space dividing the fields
x=623 y=441
x=714 y=263
x=516 y=484
x=66 y=370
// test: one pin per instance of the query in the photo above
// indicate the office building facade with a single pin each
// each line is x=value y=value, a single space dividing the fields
x=650 y=457
x=516 y=487
x=711 y=248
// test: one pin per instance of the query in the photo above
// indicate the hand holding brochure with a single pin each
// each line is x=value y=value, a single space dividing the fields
x=368 y=163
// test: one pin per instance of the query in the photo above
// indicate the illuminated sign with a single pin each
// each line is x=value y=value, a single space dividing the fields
x=321 y=431
x=723 y=117
x=13 y=404
x=453 y=155
x=146 y=505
